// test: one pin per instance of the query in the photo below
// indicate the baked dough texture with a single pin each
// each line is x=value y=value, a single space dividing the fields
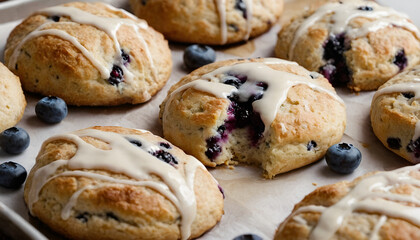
x=367 y=52
x=395 y=114
x=221 y=130
x=109 y=204
x=208 y=21
x=380 y=205
x=89 y=54
x=12 y=100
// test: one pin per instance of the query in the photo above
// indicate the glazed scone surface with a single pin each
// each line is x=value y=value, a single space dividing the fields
x=12 y=100
x=356 y=43
x=89 y=54
x=120 y=183
x=280 y=116
x=215 y=22
x=395 y=114
x=381 y=205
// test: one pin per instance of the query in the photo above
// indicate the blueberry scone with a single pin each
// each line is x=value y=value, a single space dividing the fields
x=381 y=205
x=355 y=43
x=215 y=22
x=12 y=100
x=89 y=54
x=395 y=114
x=267 y=112
x=119 y=183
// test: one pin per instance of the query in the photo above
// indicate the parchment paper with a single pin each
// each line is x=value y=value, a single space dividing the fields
x=252 y=204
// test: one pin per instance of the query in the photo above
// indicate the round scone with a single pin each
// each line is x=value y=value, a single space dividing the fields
x=267 y=112
x=355 y=43
x=119 y=183
x=89 y=54
x=395 y=114
x=216 y=22
x=12 y=100
x=381 y=206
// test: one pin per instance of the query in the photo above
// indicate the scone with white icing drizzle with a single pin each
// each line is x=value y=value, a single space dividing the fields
x=215 y=22
x=120 y=183
x=377 y=206
x=268 y=112
x=395 y=114
x=12 y=100
x=355 y=43
x=89 y=54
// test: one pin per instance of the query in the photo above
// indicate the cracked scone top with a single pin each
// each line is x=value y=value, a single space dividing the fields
x=12 y=100
x=215 y=22
x=267 y=112
x=356 y=43
x=377 y=206
x=395 y=114
x=89 y=54
x=119 y=183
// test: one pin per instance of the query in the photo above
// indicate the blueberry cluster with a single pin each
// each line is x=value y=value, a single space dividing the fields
x=336 y=70
x=116 y=75
x=240 y=115
x=400 y=59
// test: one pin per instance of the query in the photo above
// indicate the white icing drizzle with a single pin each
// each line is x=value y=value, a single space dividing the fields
x=133 y=161
x=371 y=194
x=279 y=83
x=343 y=13
x=375 y=233
x=107 y=24
x=221 y=9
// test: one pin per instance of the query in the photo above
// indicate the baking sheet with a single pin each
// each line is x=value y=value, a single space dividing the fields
x=252 y=204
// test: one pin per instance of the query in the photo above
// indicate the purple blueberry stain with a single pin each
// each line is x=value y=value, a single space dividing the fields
x=335 y=70
x=400 y=59
x=221 y=190
x=241 y=6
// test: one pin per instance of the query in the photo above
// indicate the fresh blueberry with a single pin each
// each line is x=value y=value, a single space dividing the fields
x=394 y=143
x=400 y=59
x=51 y=109
x=14 y=140
x=196 y=56
x=116 y=76
x=12 y=175
x=343 y=158
x=248 y=236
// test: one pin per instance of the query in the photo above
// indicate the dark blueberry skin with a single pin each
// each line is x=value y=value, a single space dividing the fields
x=165 y=156
x=196 y=56
x=116 y=76
x=343 y=158
x=394 y=143
x=408 y=95
x=14 y=140
x=12 y=175
x=400 y=59
x=365 y=8
x=125 y=57
x=213 y=148
x=51 y=109
x=414 y=147
x=55 y=18
x=241 y=6
x=165 y=145
x=335 y=70
x=232 y=80
x=248 y=237
x=311 y=145
x=135 y=142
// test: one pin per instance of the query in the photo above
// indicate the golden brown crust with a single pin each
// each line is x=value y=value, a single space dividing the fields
x=199 y=22
x=12 y=100
x=357 y=226
x=118 y=211
x=306 y=115
x=394 y=116
x=369 y=59
x=50 y=65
